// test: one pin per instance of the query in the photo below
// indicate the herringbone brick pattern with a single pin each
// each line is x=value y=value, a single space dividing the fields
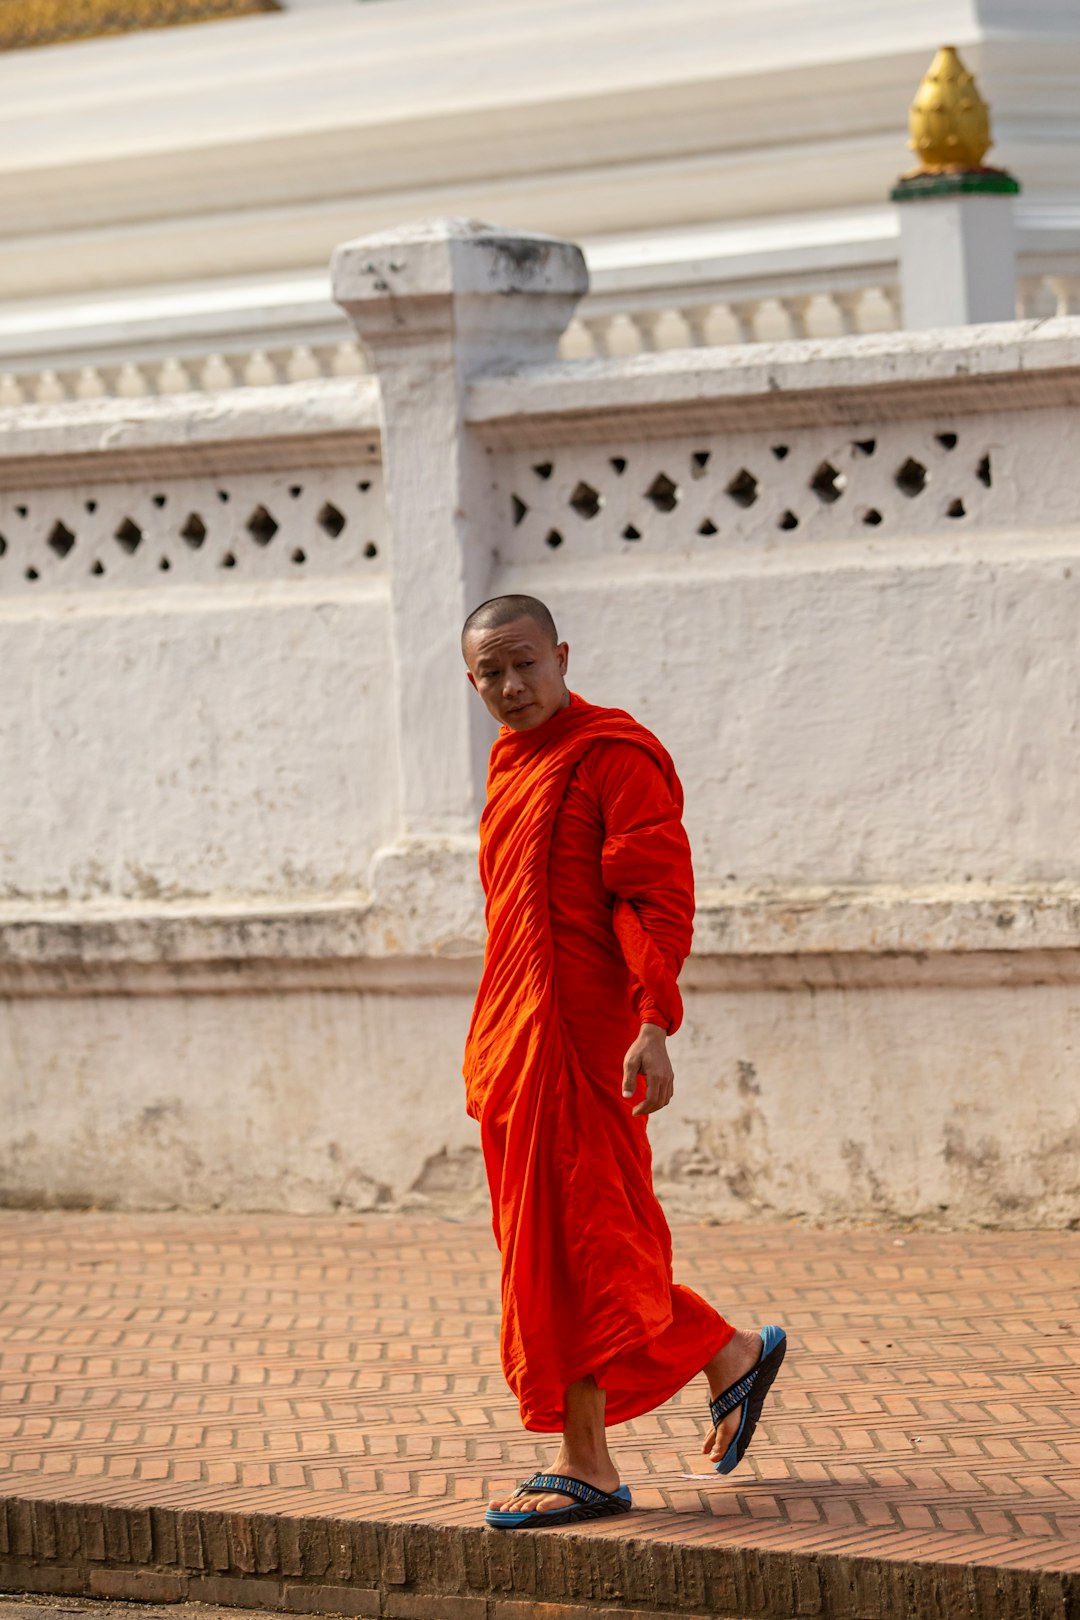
x=348 y=1369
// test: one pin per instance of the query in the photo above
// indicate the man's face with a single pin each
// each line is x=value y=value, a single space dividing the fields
x=518 y=672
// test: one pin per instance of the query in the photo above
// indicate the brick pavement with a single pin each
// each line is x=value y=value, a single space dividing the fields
x=309 y=1413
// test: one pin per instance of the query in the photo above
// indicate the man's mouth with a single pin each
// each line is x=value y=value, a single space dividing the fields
x=520 y=708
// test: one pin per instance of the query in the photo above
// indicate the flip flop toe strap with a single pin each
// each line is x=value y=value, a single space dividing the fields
x=733 y=1397
x=566 y=1485
x=773 y=1345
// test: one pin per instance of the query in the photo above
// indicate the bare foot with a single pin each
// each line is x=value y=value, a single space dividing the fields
x=593 y=1470
x=726 y=1368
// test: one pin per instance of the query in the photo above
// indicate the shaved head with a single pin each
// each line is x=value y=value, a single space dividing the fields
x=515 y=660
x=500 y=610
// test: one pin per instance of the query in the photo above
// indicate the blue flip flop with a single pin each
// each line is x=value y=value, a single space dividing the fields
x=589 y=1503
x=749 y=1393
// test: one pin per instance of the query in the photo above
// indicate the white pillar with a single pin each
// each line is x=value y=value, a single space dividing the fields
x=957 y=257
x=434 y=304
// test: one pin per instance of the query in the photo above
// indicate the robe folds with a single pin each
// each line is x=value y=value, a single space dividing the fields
x=589 y=888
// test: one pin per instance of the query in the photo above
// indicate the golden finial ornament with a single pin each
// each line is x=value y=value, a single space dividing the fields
x=950 y=135
x=949 y=120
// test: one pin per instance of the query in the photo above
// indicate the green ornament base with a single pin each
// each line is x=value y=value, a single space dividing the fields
x=959 y=183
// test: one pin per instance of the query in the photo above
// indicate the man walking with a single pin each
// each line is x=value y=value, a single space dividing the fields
x=586 y=869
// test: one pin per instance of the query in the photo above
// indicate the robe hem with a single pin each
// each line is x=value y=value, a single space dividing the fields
x=632 y=1407
x=628 y=1345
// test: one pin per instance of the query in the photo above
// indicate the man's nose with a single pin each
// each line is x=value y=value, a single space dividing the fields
x=513 y=684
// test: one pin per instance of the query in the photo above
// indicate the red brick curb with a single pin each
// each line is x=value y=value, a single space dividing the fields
x=329 y=1566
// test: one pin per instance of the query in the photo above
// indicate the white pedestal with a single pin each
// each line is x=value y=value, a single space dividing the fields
x=957 y=260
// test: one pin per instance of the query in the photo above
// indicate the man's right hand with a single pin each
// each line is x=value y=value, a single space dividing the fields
x=649 y=1057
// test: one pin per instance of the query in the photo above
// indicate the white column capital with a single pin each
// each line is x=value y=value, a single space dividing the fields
x=499 y=296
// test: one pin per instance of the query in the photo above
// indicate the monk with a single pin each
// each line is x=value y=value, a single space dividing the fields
x=590 y=901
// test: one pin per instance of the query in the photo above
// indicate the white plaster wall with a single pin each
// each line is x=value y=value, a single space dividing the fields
x=307 y=1102
x=864 y=679
x=224 y=742
x=888 y=720
x=213 y=990
x=909 y=1102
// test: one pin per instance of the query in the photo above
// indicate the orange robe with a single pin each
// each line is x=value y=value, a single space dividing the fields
x=589 y=887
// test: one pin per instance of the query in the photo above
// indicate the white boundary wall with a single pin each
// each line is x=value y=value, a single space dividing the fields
x=241 y=925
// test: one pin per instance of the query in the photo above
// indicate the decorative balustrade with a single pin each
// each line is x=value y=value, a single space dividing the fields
x=606 y=327
x=769 y=317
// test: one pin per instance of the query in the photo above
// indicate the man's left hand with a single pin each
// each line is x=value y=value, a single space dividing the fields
x=649 y=1056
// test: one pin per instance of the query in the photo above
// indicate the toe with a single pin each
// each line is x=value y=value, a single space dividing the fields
x=508 y=1504
x=722 y=1436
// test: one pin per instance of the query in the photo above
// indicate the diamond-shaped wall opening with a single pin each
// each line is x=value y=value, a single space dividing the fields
x=630 y=533
x=330 y=520
x=956 y=509
x=982 y=472
x=871 y=517
x=911 y=477
x=788 y=521
x=194 y=531
x=544 y=469
x=128 y=536
x=61 y=539
x=699 y=460
x=261 y=526
x=518 y=508
x=743 y=488
x=947 y=441
x=828 y=483
x=865 y=447
x=708 y=527
x=553 y=539
x=585 y=500
x=663 y=493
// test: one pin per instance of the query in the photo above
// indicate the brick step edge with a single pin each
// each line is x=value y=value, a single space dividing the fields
x=302 y=1565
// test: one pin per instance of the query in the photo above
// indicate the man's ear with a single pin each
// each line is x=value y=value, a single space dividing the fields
x=471 y=678
x=563 y=653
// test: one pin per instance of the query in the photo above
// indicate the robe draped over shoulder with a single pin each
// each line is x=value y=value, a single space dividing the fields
x=587 y=875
